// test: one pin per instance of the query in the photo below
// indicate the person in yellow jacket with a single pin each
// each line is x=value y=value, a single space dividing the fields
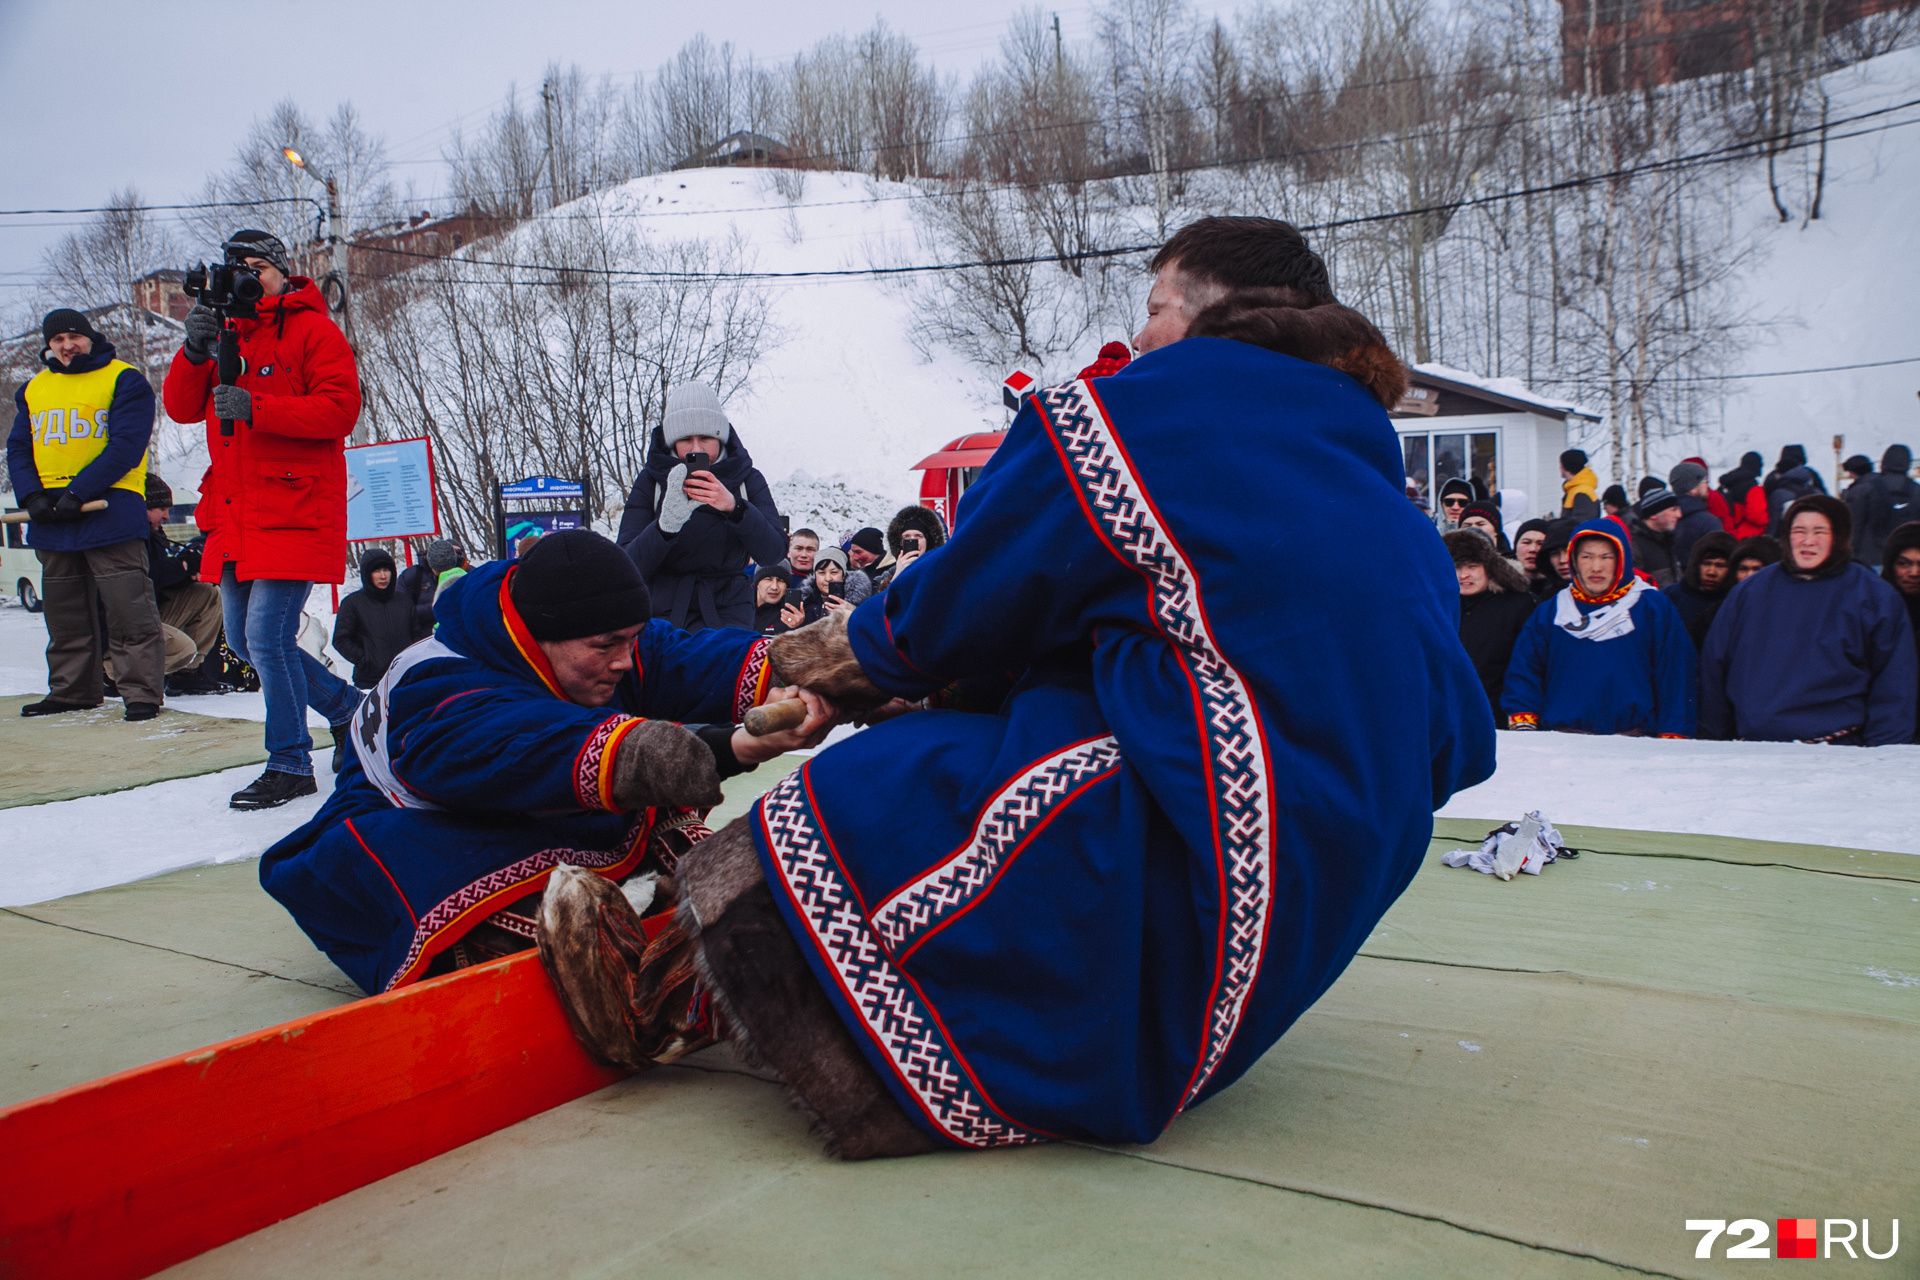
x=80 y=433
x=1580 y=487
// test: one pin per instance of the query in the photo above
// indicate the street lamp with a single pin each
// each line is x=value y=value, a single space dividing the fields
x=337 y=232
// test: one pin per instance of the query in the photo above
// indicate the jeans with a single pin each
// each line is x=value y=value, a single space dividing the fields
x=263 y=626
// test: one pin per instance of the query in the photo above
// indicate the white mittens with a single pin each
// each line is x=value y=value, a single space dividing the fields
x=676 y=506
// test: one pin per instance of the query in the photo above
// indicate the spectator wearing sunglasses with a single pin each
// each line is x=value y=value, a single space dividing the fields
x=1455 y=497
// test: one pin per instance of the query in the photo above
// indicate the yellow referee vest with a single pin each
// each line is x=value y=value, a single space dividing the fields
x=68 y=413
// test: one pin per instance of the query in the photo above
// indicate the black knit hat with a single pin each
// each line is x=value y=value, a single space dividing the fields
x=158 y=493
x=1655 y=500
x=250 y=243
x=576 y=583
x=1573 y=461
x=1615 y=496
x=67 y=320
x=870 y=540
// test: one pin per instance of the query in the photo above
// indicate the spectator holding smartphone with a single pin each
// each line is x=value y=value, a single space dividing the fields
x=697 y=514
x=774 y=611
x=828 y=584
x=914 y=531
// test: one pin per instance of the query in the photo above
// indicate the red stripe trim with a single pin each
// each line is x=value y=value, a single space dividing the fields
x=806 y=783
x=523 y=639
x=1015 y=852
x=383 y=871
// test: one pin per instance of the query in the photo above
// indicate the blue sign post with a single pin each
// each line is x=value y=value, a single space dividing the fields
x=390 y=491
x=514 y=527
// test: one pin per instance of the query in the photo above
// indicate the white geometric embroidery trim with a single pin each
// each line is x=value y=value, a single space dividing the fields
x=1242 y=793
x=892 y=1012
x=1007 y=819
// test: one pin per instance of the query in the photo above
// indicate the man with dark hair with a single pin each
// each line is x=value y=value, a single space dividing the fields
x=1579 y=487
x=1704 y=585
x=509 y=742
x=803 y=545
x=274 y=499
x=1106 y=874
x=1814 y=649
x=80 y=432
x=1224 y=254
x=867 y=556
x=1751 y=555
x=1900 y=568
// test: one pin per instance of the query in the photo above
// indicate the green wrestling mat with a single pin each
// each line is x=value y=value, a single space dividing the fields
x=1543 y=1077
x=89 y=753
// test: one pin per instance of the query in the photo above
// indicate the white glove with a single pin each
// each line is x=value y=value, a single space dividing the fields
x=676 y=506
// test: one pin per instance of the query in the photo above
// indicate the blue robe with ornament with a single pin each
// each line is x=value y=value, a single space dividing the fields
x=472 y=778
x=1102 y=900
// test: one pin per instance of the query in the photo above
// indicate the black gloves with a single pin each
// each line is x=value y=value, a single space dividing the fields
x=41 y=503
x=203 y=333
x=68 y=508
x=233 y=402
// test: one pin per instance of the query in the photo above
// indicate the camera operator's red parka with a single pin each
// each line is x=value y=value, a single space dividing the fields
x=274 y=502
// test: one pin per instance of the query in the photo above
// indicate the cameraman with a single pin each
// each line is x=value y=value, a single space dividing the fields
x=274 y=500
x=80 y=433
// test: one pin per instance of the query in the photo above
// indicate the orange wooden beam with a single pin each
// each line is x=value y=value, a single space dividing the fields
x=126 y=1175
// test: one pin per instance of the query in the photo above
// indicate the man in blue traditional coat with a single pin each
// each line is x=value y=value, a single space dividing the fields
x=1152 y=811
x=536 y=728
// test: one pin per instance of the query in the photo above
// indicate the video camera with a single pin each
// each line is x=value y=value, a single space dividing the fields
x=228 y=291
x=225 y=288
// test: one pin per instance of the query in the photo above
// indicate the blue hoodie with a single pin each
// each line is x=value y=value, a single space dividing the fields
x=1644 y=682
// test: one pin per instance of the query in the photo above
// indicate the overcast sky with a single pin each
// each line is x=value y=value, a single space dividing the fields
x=157 y=95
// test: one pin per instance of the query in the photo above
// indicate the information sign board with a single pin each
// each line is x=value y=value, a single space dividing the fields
x=390 y=491
x=543 y=487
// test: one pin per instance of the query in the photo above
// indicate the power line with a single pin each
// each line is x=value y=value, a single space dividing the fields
x=156 y=208
x=1741 y=377
x=1717 y=155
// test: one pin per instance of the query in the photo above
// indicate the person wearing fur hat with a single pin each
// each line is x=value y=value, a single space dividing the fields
x=1817 y=648
x=1095 y=900
x=614 y=723
x=693 y=530
x=1607 y=655
x=913 y=532
x=1494 y=605
x=1705 y=584
x=1751 y=555
x=1900 y=566
x=80 y=432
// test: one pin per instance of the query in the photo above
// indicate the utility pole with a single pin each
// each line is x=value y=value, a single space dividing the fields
x=338 y=247
x=546 y=111
x=1059 y=53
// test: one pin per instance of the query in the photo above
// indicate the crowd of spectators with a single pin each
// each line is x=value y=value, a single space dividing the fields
x=1763 y=609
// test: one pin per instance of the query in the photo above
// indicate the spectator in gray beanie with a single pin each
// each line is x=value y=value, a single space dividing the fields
x=1688 y=481
x=693 y=527
x=419 y=583
x=444 y=555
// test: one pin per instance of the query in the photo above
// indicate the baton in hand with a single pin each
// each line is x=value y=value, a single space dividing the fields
x=98 y=504
x=774 y=717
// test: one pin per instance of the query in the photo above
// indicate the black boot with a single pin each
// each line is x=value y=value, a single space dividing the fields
x=340 y=748
x=54 y=707
x=272 y=789
x=191 y=682
x=141 y=711
x=108 y=687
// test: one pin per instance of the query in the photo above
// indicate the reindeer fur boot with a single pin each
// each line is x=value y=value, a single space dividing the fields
x=778 y=1015
x=632 y=1003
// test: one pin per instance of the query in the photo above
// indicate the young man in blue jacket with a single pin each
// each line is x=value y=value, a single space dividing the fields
x=1813 y=649
x=1608 y=654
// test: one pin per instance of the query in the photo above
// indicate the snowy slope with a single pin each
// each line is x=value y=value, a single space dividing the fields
x=1844 y=290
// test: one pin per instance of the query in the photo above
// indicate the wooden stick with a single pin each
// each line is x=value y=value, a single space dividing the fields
x=776 y=716
x=21 y=517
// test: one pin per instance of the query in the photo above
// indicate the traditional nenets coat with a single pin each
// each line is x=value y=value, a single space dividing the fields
x=473 y=777
x=1100 y=903
x=1619 y=662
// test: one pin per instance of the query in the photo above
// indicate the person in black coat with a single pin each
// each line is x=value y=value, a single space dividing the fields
x=1705 y=584
x=376 y=622
x=1900 y=566
x=1494 y=605
x=776 y=610
x=693 y=530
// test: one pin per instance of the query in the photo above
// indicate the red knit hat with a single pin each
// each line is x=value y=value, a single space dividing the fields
x=1114 y=357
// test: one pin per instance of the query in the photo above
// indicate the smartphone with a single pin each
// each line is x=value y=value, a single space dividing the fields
x=914 y=539
x=697 y=461
x=838 y=590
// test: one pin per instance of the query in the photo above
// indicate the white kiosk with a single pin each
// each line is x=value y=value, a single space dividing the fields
x=1493 y=432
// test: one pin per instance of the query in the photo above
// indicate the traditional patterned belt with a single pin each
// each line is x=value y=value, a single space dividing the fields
x=1838 y=735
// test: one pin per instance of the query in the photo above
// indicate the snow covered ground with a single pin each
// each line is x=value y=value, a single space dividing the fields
x=1762 y=791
